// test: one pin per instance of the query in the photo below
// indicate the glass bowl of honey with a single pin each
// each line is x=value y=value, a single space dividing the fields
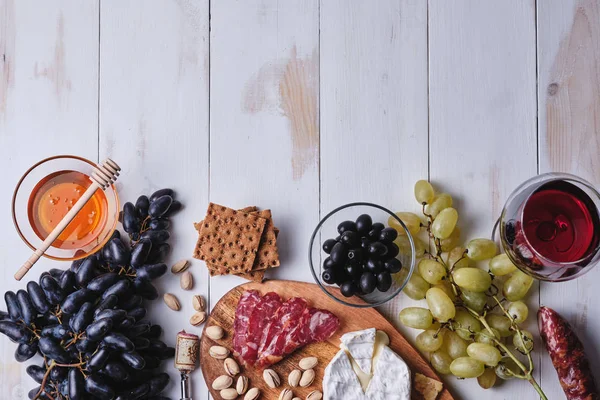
x=46 y=193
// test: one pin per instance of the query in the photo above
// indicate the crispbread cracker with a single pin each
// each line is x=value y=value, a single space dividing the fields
x=229 y=240
x=426 y=388
x=267 y=256
x=256 y=276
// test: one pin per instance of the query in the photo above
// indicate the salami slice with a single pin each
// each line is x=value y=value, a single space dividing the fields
x=243 y=312
x=258 y=325
x=316 y=325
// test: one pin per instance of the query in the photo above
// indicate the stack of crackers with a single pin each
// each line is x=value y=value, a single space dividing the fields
x=240 y=242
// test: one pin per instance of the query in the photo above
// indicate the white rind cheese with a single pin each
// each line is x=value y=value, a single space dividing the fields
x=361 y=346
x=345 y=379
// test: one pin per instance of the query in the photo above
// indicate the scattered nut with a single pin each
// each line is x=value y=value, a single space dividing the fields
x=218 y=352
x=271 y=378
x=187 y=280
x=199 y=303
x=180 y=266
x=296 y=398
x=252 y=394
x=198 y=318
x=172 y=302
x=294 y=377
x=222 y=382
x=242 y=385
x=231 y=367
x=214 y=332
x=286 y=394
x=314 y=395
x=229 y=394
x=307 y=378
x=308 y=363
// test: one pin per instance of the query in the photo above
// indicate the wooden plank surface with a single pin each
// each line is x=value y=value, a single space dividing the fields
x=482 y=116
x=569 y=141
x=154 y=122
x=48 y=106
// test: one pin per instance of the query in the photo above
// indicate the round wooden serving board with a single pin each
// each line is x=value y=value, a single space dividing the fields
x=352 y=319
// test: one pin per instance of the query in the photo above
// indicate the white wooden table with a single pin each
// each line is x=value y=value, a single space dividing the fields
x=300 y=106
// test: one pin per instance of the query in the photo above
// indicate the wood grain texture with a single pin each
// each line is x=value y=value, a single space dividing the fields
x=482 y=115
x=569 y=110
x=352 y=319
x=264 y=131
x=48 y=106
x=154 y=123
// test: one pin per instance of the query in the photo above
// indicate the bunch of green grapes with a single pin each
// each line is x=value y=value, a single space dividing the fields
x=471 y=326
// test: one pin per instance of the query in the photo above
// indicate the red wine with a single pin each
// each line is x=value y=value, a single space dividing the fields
x=560 y=221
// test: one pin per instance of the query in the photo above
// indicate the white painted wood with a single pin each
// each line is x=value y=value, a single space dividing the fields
x=373 y=109
x=154 y=123
x=264 y=132
x=48 y=106
x=569 y=115
x=482 y=109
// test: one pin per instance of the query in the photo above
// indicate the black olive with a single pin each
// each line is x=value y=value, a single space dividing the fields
x=376 y=229
x=392 y=265
x=384 y=281
x=339 y=253
x=355 y=255
x=388 y=235
x=374 y=265
x=393 y=250
x=378 y=249
x=328 y=276
x=367 y=282
x=338 y=238
x=328 y=245
x=354 y=270
x=350 y=238
x=365 y=242
x=341 y=276
x=363 y=224
x=348 y=289
x=329 y=264
x=346 y=226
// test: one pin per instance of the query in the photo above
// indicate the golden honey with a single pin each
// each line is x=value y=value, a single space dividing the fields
x=53 y=197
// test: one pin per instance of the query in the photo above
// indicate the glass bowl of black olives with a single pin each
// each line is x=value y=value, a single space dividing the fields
x=354 y=255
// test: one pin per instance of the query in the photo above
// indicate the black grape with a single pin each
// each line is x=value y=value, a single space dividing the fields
x=25 y=351
x=139 y=329
x=16 y=333
x=36 y=372
x=158 y=383
x=159 y=224
x=58 y=332
x=28 y=312
x=151 y=361
x=119 y=254
x=135 y=393
x=55 y=272
x=76 y=264
x=141 y=343
x=145 y=289
x=175 y=206
x=12 y=304
x=133 y=359
x=52 y=290
x=115 y=371
x=53 y=350
x=84 y=316
x=126 y=324
x=87 y=271
x=151 y=271
x=137 y=313
x=96 y=386
x=76 y=385
x=118 y=341
x=141 y=205
x=118 y=289
x=160 y=193
x=58 y=373
x=130 y=302
x=140 y=252
x=75 y=300
x=106 y=303
x=38 y=298
x=156 y=237
x=102 y=282
x=116 y=315
x=67 y=281
x=159 y=253
x=86 y=345
x=131 y=223
x=154 y=332
x=98 y=360
x=97 y=330
x=4 y=316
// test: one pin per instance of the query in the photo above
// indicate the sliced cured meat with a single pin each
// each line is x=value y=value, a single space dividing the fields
x=243 y=312
x=264 y=312
x=287 y=318
x=315 y=326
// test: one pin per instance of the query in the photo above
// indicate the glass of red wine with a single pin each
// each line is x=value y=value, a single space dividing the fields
x=550 y=227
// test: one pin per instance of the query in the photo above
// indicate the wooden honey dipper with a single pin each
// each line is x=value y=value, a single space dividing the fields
x=102 y=177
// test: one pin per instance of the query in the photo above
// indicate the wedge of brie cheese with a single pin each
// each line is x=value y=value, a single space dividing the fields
x=366 y=369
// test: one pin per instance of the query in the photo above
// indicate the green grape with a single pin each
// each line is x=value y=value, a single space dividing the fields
x=447 y=288
x=487 y=379
x=525 y=345
x=440 y=361
x=444 y=223
x=516 y=286
x=500 y=323
x=441 y=306
x=481 y=249
x=451 y=241
x=411 y=220
x=472 y=279
x=416 y=287
x=428 y=341
x=431 y=270
x=474 y=300
x=486 y=353
x=467 y=324
x=424 y=192
x=466 y=367
x=501 y=265
x=403 y=244
x=486 y=337
x=416 y=317
x=458 y=258
x=441 y=201
x=518 y=311
x=505 y=368
x=454 y=345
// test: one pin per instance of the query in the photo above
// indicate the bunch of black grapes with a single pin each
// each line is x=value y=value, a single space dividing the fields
x=87 y=322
